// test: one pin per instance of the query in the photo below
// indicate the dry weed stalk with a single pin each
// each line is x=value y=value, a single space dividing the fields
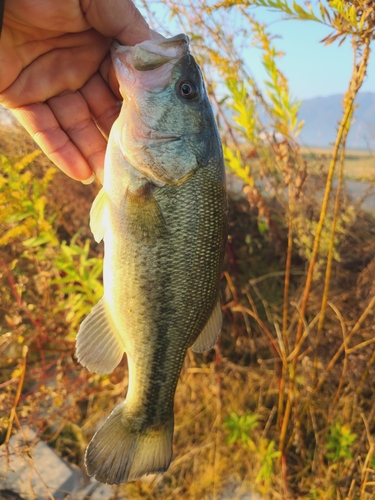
x=359 y=72
x=261 y=367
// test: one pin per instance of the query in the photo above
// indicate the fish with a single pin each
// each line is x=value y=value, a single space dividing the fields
x=163 y=214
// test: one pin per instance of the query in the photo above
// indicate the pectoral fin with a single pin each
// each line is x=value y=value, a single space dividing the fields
x=143 y=217
x=210 y=332
x=98 y=215
x=99 y=346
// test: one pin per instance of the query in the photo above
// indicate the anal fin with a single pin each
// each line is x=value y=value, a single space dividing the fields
x=99 y=347
x=208 y=337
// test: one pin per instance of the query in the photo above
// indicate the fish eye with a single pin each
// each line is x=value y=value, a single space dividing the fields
x=188 y=90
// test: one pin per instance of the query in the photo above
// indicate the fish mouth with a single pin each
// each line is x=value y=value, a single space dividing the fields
x=151 y=54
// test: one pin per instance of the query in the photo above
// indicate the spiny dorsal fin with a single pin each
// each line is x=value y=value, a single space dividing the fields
x=210 y=332
x=143 y=217
x=99 y=347
x=98 y=215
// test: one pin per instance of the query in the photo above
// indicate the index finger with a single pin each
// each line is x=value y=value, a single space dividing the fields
x=118 y=19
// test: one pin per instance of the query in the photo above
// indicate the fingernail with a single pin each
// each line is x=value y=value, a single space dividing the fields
x=90 y=180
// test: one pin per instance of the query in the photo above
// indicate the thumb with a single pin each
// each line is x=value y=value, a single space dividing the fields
x=118 y=19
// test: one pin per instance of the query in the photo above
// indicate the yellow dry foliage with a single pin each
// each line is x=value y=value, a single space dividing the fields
x=23 y=201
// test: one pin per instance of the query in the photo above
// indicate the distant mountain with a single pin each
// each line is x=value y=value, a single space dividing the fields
x=322 y=114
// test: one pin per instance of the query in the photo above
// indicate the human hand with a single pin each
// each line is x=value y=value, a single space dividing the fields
x=57 y=78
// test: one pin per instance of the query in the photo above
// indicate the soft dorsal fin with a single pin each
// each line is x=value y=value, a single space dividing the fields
x=99 y=346
x=207 y=338
x=98 y=215
x=143 y=217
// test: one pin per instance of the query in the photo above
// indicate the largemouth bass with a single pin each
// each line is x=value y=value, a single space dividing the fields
x=162 y=212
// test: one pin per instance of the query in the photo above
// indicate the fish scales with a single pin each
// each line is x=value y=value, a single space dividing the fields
x=181 y=262
x=163 y=215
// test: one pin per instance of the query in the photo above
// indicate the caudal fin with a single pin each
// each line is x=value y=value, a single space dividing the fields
x=117 y=453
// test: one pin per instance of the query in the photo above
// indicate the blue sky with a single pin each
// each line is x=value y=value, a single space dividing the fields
x=311 y=68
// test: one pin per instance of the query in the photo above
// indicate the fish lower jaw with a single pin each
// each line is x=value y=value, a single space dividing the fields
x=147 y=136
x=141 y=134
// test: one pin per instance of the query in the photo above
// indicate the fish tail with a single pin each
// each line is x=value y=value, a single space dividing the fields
x=117 y=453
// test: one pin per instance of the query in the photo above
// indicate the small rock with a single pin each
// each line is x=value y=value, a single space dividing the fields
x=31 y=469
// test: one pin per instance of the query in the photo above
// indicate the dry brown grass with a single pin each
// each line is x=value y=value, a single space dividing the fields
x=358 y=165
x=65 y=403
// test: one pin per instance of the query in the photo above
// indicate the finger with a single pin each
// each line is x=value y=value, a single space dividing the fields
x=43 y=127
x=59 y=70
x=119 y=19
x=108 y=73
x=74 y=117
x=103 y=105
